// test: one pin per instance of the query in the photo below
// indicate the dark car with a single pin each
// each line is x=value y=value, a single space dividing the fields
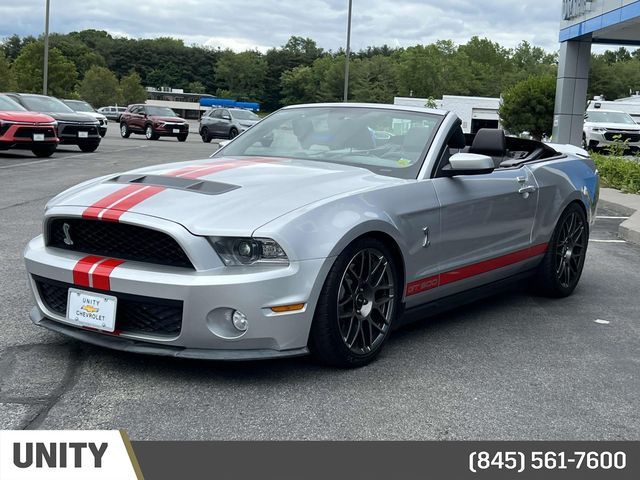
x=153 y=122
x=22 y=129
x=73 y=128
x=226 y=123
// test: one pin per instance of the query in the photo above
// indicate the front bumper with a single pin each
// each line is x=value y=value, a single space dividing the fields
x=251 y=291
x=22 y=136
x=605 y=139
x=77 y=133
x=171 y=130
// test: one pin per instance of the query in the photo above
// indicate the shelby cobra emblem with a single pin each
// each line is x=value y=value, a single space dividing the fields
x=318 y=230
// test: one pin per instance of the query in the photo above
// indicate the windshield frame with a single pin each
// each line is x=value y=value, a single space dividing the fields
x=148 y=108
x=79 y=102
x=410 y=173
x=27 y=97
x=608 y=112
x=16 y=107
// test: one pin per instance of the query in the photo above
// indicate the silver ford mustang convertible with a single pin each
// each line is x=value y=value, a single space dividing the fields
x=317 y=230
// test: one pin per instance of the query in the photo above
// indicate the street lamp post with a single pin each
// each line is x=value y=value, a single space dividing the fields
x=45 y=69
x=346 y=62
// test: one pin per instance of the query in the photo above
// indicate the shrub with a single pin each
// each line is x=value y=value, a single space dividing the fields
x=618 y=172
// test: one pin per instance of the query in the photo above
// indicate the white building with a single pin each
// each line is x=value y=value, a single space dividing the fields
x=475 y=112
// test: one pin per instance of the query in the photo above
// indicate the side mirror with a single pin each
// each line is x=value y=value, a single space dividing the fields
x=469 y=164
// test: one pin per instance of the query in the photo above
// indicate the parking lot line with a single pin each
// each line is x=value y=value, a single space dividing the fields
x=606 y=241
x=607 y=217
x=78 y=155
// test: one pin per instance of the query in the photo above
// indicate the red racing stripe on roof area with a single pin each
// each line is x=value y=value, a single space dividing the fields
x=102 y=273
x=81 y=270
x=468 y=271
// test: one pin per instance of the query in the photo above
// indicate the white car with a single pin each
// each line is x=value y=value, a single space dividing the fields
x=81 y=106
x=603 y=127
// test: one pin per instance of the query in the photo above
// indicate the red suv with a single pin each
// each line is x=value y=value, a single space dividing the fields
x=20 y=128
x=153 y=122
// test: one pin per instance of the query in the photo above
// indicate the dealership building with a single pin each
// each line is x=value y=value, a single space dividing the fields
x=584 y=23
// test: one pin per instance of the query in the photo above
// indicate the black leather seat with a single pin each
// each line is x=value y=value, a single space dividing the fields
x=491 y=142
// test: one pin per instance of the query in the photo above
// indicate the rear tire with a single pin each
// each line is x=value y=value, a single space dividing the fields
x=233 y=133
x=44 y=151
x=357 y=306
x=124 y=131
x=559 y=273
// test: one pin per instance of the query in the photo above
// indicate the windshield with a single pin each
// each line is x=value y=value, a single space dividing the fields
x=160 y=111
x=244 y=115
x=79 y=106
x=386 y=141
x=8 y=105
x=44 y=104
x=609 y=117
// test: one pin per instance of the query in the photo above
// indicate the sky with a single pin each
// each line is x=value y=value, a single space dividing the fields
x=261 y=24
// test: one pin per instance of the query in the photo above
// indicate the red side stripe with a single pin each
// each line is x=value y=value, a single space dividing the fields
x=114 y=213
x=101 y=274
x=82 y=269
x=94 y=210
x=472 y=270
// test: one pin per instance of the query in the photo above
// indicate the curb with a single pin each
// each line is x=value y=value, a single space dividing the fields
x=629 y=204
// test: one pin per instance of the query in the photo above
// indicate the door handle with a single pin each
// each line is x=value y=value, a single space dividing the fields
x=527 y=189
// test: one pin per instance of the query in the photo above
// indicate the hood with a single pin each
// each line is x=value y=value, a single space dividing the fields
x=614 y=126
x=72 y=117
x=167 y=119
x=30 y=117
x=97 y=115
x=224 y=196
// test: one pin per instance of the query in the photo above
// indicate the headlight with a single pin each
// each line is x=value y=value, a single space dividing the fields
x=249 y=251
x=598 y=129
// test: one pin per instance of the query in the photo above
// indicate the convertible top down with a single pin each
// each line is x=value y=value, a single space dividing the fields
x=316 y=230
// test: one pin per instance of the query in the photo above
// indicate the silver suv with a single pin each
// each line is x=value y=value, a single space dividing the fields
x=226 y=123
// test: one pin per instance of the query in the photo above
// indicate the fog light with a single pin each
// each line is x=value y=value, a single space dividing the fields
x=240 y=321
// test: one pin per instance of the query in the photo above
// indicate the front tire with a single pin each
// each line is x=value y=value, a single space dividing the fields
x=89 y=147
x=124 y=130
x=357 y=306
x=182 y=138
x=233 y=133
x=206 y=136
x=561 y=268
x=44 y=151
x=150 y=134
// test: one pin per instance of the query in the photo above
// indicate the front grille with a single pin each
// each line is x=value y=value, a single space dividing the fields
x=134 y=314
x=72 y=130
x=4 y=127
x=117 y=240
x=622 y=136
x=28 y=132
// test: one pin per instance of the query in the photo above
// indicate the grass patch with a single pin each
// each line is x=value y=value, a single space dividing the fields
x=618 y=172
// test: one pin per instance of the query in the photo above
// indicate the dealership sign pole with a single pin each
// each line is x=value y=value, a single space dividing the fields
x=346 y=62
x=45 y=78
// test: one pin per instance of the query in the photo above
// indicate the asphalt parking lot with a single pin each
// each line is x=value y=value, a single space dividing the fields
x=512 y=367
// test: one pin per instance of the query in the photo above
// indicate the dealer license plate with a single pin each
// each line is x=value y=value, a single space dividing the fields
x=83 y=134
x=176 y=130
x=38 y=137
x=92 y=310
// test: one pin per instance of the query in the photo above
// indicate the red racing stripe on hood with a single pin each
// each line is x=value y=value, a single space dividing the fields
x=116 y=204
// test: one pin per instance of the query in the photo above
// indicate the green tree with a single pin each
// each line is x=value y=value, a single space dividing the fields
x=14 y=44
x=196 y=87
x=243 y=74
x=132 y=89
x=528 y=106
x=7 y=78
x=63 y=75
x=100 y=87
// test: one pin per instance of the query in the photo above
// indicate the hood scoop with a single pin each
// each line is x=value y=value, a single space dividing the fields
x=199 y=186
